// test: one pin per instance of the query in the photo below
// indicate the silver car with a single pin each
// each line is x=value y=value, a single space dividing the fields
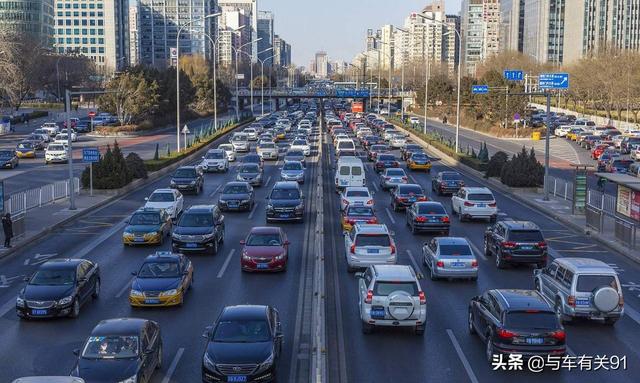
x=581 y=288
x=267 y=150
x=450 y=257
x=292 y=171
x=240 y=142
x=392 y=177
x=369 y=244
x=251 y=173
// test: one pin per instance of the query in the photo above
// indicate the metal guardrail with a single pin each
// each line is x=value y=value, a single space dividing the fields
x=594 y=218
x=625 y=232
x=561 y=188
x=25 y=200
x=602 y=201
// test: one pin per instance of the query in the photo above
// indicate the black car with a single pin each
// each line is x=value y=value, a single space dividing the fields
x=8 y=158
x=516 y=322
x=447 y=183
x=244 y=345
x=285 y=202
x=199 y=229
x=410 y=148
x=120 y=350
x=236 y=196
x=405 y=195
x=253 y=158
x=59 y=288
x=188 y=178
x=251 y=173
x=384 y=161
x=515 y=242
x=428 y=216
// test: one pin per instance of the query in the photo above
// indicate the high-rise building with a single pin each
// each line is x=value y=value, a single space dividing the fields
x=235 y=14
x=282 y=52
x=98 y=29
x=158 y=26
x=472 y=25
x=265 y=36
x=321 y=64
x=386 y=46
x=491 y=28
x=512 y=25
x=543 y=34
x=134 y=35
x=33 y=17
x=451 y=44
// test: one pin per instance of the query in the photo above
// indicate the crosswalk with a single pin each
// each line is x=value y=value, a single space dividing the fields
x=558 y=148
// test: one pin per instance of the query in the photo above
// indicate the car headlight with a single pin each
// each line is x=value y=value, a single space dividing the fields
x=266 y=364
x=280 y=257
x=169 y=292
x=269 y=207
x=208 y=363
x=192 y=183
x=173 y=183
x=245 y=201
x=135 y=293
x=153 y=233
x=133 y=379
x=176 y=236
x=127 y=234
x=300 y=206
x=20 y=302
x=65 y=300
x=208 y=236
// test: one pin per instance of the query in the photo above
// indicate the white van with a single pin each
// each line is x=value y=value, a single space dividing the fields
x=345 y=147
x=349 y=172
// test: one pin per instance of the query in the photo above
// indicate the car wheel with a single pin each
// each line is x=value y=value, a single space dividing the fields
x=487 y=250
x=461 y=217
x=470 y=327
x=159 y=360
x=96 y=290
x=610 y=321
x=489 y=349
x=432 y=274
x=500 y=264
x=558 y=309
x=222 y=237
x=367 y=328
x=215 y=248
x=75 y=309
x=413 y=229
x=419 y=330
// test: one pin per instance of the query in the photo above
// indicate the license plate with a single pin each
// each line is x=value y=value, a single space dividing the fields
x=535 y=340
x=373 y=251
x=152 y=301
x=182 y=186
x=481 y=205
x=342 y=182
x=457 y=264
x=527 y=247
x=38 y=312
x=433 y=220
x=138 y=239
x=233 y=204
x=237 y=378
x=377 y=313
x=191 y=245
x=263 y=266
x=412 y=199
x=582 y=302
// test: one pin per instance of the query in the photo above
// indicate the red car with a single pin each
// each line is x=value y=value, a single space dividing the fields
x=265 y=249
x=598 y=150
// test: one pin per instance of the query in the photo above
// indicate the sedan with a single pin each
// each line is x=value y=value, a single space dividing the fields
x=385 y=161
x=450 y=257
x=236 y=196
x=295 y=155
x=357 y=213
x=8 y=159
x=428 y=216
x=301 y=145
x=253 y=158
x=59 y=288
x=375 y=150
x=170 y=200
x=265 y=249
x=292 y=171
x=403 y=196
x=251 y=173
x=162 y=280
x=229 y=151
x=147 y=226
x=409 y=148
x=447 y=182
x=419 y=161
x=355 y=195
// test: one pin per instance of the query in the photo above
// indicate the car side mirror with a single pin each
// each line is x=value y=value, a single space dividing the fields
x=76 y=351
x=134 y=273
x=242 y=242
x=359 y=275
x=146 y=198
x=207 y=332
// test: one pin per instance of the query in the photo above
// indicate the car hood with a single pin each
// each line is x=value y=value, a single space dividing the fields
x=294 y=158
x=263 y=251
x=239 y=353
x=155 y=284
x=47 y=293
x=213 y=160
x=285 y=202
x=142 y=228
x=293 y=172
x=226 y=197
x=179 y=180
x=107 y=370
x=248 y=175
x=160 y=205
x=192 y=230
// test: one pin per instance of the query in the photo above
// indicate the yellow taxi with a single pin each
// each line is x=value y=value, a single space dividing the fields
x=280 y=134
x=419 y=161
x=25 y=150
x=357 y=213
x=162 y=280
x=147 y=226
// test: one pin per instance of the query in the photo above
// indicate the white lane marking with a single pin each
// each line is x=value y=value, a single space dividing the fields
x=390 y=216
x=215 y=191
x=173 y=366
x=463 y=358
x=125 y=287
x=226 y=263
x=255 y=206
x=268 y=180
x=413 y=261
x=375 y=186
x=91 y=246
x=570 y=352
x=413 y=179
x=476 y=250
x=631 y=313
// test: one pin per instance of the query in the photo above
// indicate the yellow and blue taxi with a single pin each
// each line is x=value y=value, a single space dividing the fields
x=419 y=161
x=162 y=280
x=25 y=149
x=357 y=212
x=147 y=226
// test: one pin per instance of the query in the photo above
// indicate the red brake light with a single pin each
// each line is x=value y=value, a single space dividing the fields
x=373 y=220
x=370 y=202
x=493 y=204
x=353 y=249
x=440 y=264
x=344 y=201
x=467 y=203
x=369 y=297
x=350 y=222
x=474 y=263
x=402 y=199
x=559 y=335
x=393 y=249
x=444 y=219
x=542 y=245
x=423 y=198
x=420 y=219
x=508 y=245
x=423 y=298
x=506 y=334
x=571 y=301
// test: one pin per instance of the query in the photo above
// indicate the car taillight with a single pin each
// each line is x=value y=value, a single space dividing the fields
x=571 y=301
x=372 y=220
x=344 y=201
x=423 y=198
x=423 y=298
x=505 y=334
x=440 y=264
x=370 y=202
x=542 y=245
x=493 y=204
x=403 y=199
x=620 y=301
x=353 y=249
x=559 y=335
x=444 y=219
x=420 y=219
x=393 y=249
x=467 y=203
x=508 y=245
x=369 y=297
x=350 y=222
x=474 y=263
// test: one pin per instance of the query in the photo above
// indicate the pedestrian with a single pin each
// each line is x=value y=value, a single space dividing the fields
x=444 y=119
x=7 y=226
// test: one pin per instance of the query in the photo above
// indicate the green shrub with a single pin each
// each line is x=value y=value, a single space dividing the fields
x=110 y=172
x=136 y=166
x=495 y=165
x=523 y=170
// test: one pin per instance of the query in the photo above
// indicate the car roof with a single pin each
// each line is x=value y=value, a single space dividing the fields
x=265 y=230
x=286 y=185
x=217 y=150
x=237 y=183
x=356 y=188
x=452 y=241
x=162 y=256
x=164 y=190
x=200 y=208
x=371 y=228
x=477 y=189
x=394 y=272
x=428 y=203
x=520 y=225
x=119 y=326
x=519 y=299
x=61 y=264
x=187 y=167
x=244 y=312
x=49 y=379
x=585 y=265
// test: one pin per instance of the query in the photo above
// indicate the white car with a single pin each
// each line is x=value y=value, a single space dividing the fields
x=634 y=153
x=369 y=244
x=414 y=120
x=355 y=195
x=474 y=202
x=62 y=139
x=251 y=133
x=301 y=145
x=230 y=152
x=74 y=135
x=55 y=153
x=240 y=142
x=170 y=200
x=215 y=161
x=42 y=133
x=562 y=130
x=51 y=128
x=397 y=141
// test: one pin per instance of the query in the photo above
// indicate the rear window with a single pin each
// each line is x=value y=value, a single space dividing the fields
x=373 y=240
x=408 y=189
x=395 y=172
x=431 y=209
x=525 y=236
x=451 y=177
x=531 y=320
x=589 y=283
x=386 y=288
x=480 y=197
x=455 y=250
x=344 y=170
x=356 y=171
x=345 y=145
x=357 y=193
x=360 y=211
x=386 y=157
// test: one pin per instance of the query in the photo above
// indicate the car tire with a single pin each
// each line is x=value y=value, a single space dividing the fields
x=472 y=330
x=432 y=274
x=461 y=217
x=214 y=251
x=159 y=360
x=558 y=310
x=489 y=349
x=75 y=310
x=500 y=263
x=487 y=250
x=367 y=328
x=96 y=289
x=419 y=330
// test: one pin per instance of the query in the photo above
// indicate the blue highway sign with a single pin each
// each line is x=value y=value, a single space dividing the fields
x=90 y=155
x=480 y=89
x=513 y=75
x=554 y=81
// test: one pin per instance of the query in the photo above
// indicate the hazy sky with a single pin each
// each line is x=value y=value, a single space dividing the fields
x=337 y=26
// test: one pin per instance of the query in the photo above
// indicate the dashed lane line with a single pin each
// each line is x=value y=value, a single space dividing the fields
x=255 y=206
x=215 y=191
x=173 y=366
x=477 y=250
x=413 y=261
x=125 y=287
x=393 y=220
x=226 y=263
x=463 y=358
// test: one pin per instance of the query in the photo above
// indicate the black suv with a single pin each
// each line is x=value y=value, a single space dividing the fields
x=516 y=322
x=285 y=202
x=199 y=229
x=447 y=183
x=188 y=178
x=405 y=195
x=515 y=242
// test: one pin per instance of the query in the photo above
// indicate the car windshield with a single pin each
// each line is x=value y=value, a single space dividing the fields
x=525 y=236
x=589 y=283
x=419 y=157
x=622 y=164
x=159 y=270
x=239 y=138
x=386 y=157
x=225 y=147
x=345 y=145
x=451 y=177
x=185 y=173
x=267 y=146
x=214 y=156
x=145 y=219
x=410 y=189
x=196 y=220
x=357 y=193
x=292 y=166
x=531 y=320
x=250 y=169
x=359 y=211
x=431 y=209
x=455 y=250
x=25 y=145
x=161 y=197
x=285 y=194
x=295 y=153
x=111 y=347
x=50 y=277
x=299 y=142
x=480 y=197
x=264 y=239
x=395 y=173
x=386 y=288
x=55 y=148
x=235 y=189
x=242 y=331
x=373 y=240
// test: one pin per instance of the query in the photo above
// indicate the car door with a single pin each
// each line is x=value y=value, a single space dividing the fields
x=179 y=202
x=556 y=283
x=498 y=236
x=146 y=358
x=482 y=314
x=547 y=277
x=363 y=287
x=455 y=200
x=84 y=286
x=347 y=241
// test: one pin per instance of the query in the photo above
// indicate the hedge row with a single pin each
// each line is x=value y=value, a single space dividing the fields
x=32 y=115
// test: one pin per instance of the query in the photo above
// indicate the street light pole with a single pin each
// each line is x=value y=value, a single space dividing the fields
x=72 y=197
x=402 y=76
x=238 y=51
x=262 y=82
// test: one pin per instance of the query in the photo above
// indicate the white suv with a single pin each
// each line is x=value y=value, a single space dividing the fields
x=390 y=295
x=474 y=202
x=215 y=161
x=369 y=244
x=55 y=153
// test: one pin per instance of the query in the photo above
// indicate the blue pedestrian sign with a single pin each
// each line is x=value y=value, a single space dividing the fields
x=480 y=89
x=554 y=81
x=90 y=155
x=513 y=75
